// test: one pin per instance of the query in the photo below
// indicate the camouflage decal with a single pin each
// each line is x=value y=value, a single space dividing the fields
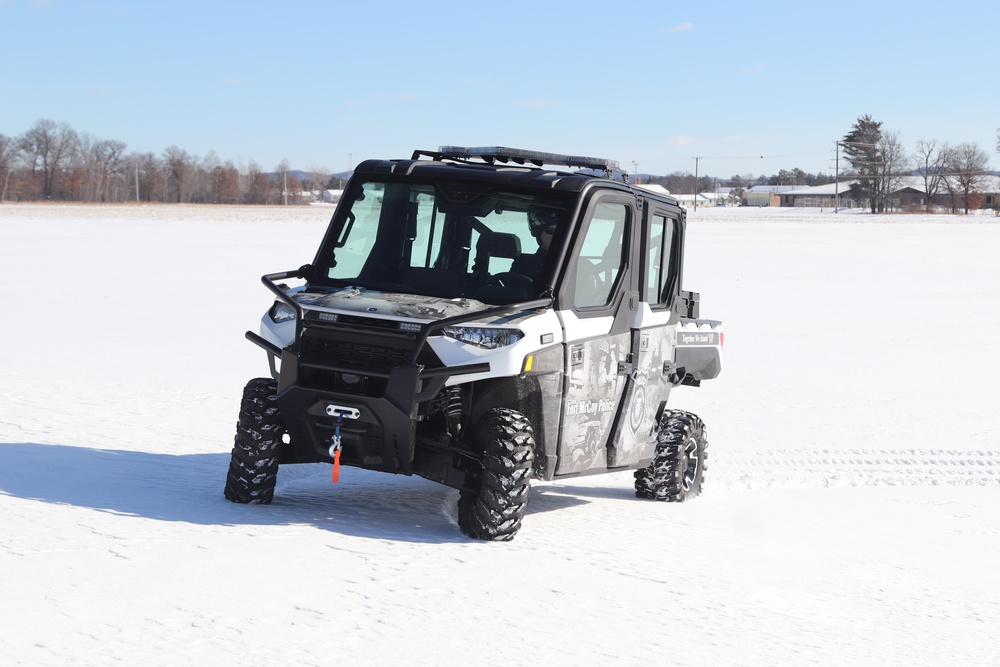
x=592 y=397
x=397 y=305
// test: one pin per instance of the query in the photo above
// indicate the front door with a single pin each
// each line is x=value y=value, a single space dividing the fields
x=597 y=308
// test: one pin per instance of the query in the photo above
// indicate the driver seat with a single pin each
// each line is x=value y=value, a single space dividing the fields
x=501 y=245
x=494 y=244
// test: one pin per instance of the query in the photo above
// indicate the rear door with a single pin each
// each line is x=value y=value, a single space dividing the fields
x=654 y=331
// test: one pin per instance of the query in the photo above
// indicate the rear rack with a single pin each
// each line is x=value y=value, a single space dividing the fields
x=504 y=155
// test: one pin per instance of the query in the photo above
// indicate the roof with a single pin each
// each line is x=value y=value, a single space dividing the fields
x=772 y=188
x=653 y=187
x=990 y=184
x=820 y=190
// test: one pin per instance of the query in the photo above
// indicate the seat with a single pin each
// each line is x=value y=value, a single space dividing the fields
x=494 y=244
x=590 y=289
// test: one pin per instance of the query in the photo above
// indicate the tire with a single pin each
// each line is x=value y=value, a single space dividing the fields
x=677 y=471
x=495 y=511
x=253 y=469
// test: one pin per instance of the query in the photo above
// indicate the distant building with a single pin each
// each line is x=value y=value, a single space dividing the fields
x=688 y=201
x=910 y=193
x=653 y=187
x=766 y=195
x=820 y=196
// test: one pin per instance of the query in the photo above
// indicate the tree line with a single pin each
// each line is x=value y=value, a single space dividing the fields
x=959 y=174
x=682 y=182
x=876 y=159
x=52 y=161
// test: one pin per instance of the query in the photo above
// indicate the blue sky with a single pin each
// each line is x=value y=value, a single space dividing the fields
x=748 y=87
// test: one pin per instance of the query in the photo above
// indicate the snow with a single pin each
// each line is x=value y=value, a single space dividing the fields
x=849 y=515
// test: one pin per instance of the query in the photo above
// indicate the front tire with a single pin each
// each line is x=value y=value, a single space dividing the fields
x=495 y=511
x=677 y=471
x=253 y=469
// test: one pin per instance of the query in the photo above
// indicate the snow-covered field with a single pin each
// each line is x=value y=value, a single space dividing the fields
x=850 y=515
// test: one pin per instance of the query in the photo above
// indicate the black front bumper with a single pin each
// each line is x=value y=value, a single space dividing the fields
x=381 y=435
x=385 y=376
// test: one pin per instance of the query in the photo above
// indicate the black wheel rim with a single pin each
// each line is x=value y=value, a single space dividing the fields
x=691 y=463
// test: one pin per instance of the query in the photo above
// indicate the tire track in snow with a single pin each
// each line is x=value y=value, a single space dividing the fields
x=798 y=468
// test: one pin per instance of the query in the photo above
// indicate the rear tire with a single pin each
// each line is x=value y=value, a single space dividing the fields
x=495 y=512
x=677 y=471
x=253 y=469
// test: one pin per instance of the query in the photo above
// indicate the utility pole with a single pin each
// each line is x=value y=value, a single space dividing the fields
x=836 y=177
x=696 y=181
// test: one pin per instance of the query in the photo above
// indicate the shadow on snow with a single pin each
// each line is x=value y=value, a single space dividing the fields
x=188 y=488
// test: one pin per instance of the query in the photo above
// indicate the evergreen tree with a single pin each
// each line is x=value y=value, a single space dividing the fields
x=861 y=147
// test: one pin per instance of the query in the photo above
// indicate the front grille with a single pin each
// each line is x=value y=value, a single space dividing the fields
x=355 y=353
x=363 y=352
x=369 y=322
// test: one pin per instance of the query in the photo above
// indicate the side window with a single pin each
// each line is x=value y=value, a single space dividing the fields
x=424 y=228
x=602 y=256
x=357 y=238
x=659 y=261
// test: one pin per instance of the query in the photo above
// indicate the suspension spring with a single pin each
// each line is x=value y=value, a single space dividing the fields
x=453 y=409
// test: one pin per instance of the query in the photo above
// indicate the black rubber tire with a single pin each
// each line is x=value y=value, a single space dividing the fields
x=253 y=469
x=677 y=471
x=495 y=512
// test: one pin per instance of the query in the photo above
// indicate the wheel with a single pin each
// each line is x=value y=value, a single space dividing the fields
x=253 y=469
x=495 y=511
x=677 y=471
x=510 y=279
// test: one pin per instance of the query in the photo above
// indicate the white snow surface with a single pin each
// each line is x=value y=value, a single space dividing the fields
x=849 y=515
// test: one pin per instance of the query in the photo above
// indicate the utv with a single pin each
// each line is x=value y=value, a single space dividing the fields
x=479 y=319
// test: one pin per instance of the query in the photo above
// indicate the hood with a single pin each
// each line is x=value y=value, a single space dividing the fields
x=388 y=304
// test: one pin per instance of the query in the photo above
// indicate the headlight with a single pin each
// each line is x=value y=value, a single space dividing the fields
x=281 y=312
x=484 y=337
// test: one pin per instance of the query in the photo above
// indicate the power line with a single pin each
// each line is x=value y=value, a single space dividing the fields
x=735 y=157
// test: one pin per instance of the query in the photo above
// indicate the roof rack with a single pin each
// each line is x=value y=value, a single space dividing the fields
x=503 y=155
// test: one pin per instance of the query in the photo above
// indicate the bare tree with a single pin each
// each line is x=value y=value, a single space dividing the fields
x=258 y=186
x=736 y=190
x=226 y=183
x=50 y=146
x=9 y=154
x=282 y=184
x=101 y=160
x=178 y=165
x=968 y=167
x=320 y=176
x=111 y=158
x=148 y=176
x=893 y=163
x=931 y=162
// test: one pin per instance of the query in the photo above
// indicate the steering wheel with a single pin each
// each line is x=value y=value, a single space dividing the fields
x=511 y=279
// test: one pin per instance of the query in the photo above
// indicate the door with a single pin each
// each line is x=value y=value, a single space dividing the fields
x=597 y=305
x=654 y=332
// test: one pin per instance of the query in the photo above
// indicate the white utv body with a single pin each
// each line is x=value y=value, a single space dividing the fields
x=482 y=317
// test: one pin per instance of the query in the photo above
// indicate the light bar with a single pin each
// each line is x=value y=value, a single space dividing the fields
x=520 y=156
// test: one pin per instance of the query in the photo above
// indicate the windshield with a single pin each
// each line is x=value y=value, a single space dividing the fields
x=443 y=239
